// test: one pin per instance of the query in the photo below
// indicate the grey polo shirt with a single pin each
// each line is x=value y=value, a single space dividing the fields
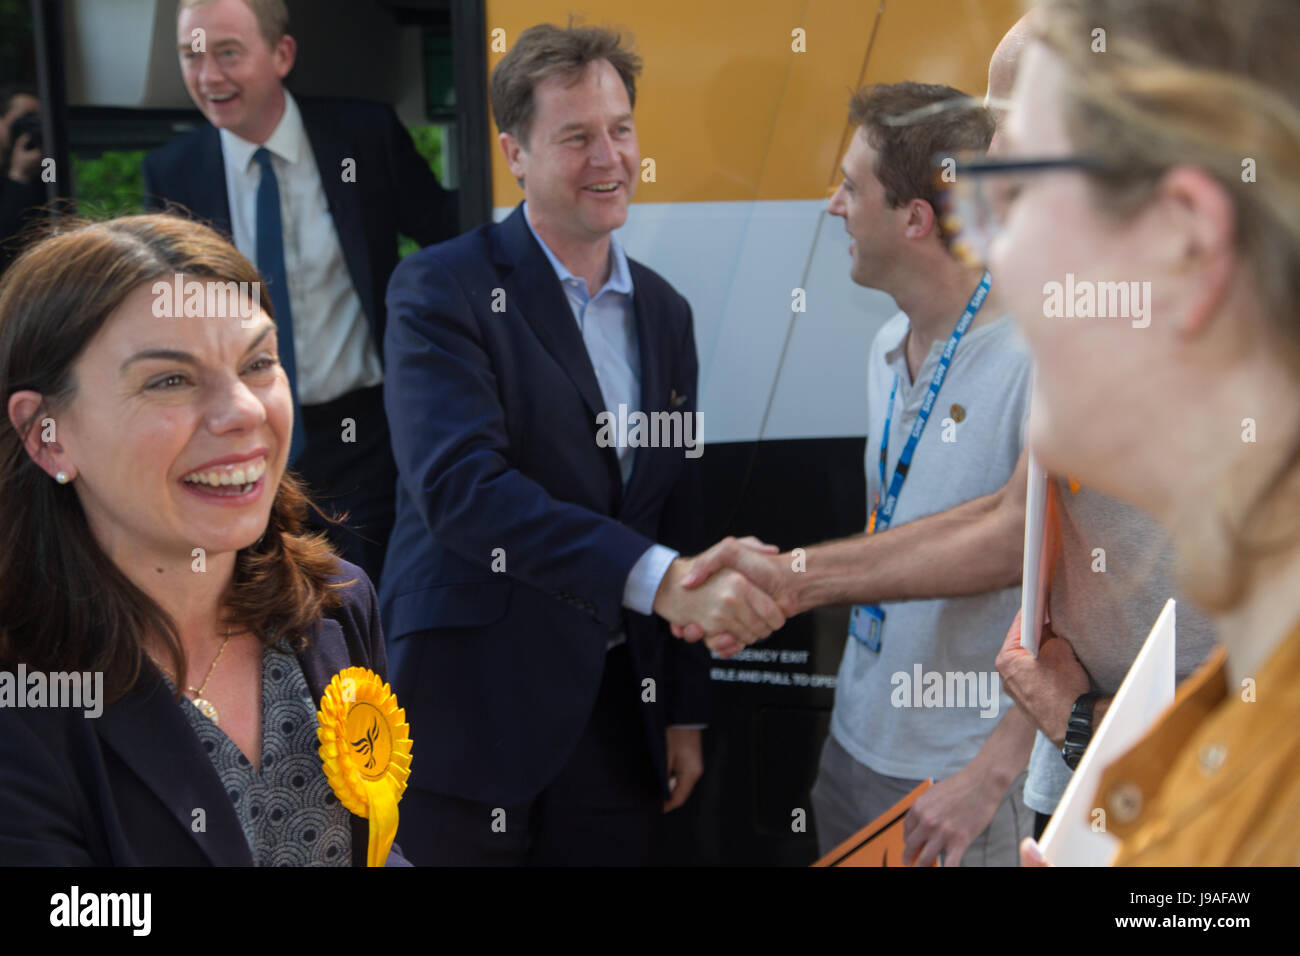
x=1115 y=573
x=880 y=716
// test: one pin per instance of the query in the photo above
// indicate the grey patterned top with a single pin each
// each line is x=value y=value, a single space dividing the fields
x=288 y=812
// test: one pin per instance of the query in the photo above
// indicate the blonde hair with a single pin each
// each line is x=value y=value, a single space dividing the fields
x=272 y=16
x=1213 y=85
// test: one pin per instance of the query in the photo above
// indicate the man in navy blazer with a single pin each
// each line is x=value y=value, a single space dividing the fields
x=537 y=538
x=121 y=789
x=349 y=180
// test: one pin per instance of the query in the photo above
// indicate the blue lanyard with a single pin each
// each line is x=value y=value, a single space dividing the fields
x=883 y=514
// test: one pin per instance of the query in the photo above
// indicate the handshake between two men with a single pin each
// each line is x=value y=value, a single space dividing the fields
x=737 y=592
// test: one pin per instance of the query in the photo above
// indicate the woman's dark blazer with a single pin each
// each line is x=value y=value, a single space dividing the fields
x=122 y=789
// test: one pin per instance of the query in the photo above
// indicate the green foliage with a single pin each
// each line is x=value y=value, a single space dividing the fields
x=428 y=143
x=109 y=185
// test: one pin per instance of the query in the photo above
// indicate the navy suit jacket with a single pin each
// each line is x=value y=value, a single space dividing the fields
x=119 y=790
x=395 y=191
x=492 y=405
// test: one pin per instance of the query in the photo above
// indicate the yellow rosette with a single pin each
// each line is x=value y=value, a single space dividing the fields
x=365 y=748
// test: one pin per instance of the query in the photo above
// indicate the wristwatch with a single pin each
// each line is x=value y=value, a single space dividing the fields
x=1079 y=730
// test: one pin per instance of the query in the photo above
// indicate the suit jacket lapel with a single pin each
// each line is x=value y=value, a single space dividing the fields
x=148 y=731
x=326 y=654
x=652 y=337
x=214 y=203
x=344 y=201
x=536 y=290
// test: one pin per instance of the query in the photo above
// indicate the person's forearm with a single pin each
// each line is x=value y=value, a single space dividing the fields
x=1007 y=750
x=977 y=546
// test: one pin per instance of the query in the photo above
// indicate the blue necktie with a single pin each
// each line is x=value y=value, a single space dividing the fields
x=270 y=262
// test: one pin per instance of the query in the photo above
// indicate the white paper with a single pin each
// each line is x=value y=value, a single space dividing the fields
x=1035 y=572
x=1070 y=839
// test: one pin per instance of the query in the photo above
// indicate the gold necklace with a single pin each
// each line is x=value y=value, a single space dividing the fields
x=205 y=706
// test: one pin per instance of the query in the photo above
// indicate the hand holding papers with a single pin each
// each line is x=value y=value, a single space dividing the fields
x=1073 y=838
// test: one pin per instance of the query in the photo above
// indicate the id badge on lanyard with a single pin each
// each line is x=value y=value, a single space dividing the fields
x=867 y=621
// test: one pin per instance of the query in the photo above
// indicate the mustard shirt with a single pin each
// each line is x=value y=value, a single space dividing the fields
x=1216 y=781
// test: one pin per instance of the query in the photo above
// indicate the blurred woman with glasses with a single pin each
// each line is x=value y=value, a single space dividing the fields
x=1170 y=164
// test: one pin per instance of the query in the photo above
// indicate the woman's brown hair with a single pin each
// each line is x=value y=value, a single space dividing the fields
x=1152 y=84
x=64 y=605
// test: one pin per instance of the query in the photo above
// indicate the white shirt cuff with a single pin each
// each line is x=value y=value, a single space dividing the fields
x=643 y=580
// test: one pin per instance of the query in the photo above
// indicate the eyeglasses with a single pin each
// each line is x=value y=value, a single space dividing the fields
x=975 y=193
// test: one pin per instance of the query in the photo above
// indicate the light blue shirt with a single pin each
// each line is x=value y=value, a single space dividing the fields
x=607 y=322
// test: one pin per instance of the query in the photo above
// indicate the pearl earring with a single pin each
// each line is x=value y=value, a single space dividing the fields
x=62 y=478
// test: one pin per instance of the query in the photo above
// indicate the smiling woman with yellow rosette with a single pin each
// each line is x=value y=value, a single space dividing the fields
x=153 y=558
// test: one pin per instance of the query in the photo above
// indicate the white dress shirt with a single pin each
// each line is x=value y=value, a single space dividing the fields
x=332 y=343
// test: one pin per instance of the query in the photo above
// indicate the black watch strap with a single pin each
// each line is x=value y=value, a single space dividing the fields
x=1079 y=730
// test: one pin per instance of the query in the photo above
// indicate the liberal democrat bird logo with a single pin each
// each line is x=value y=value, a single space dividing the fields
x=365 y=746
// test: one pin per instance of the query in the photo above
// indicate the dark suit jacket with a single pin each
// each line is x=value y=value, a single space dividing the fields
x=395 y=191
x=492 y=413
x=19 y=205
x=119 y=790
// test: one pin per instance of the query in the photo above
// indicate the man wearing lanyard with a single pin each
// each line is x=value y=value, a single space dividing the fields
x=948 y=390
x=948 y=393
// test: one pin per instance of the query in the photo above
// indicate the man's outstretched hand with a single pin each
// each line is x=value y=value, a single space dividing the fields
x=759 y=563
x=728 y=609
